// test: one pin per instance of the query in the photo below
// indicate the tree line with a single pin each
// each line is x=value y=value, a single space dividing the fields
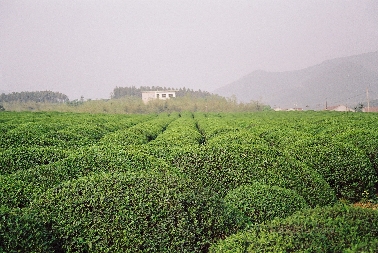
x=126 y=100
x=132 y=91
x=34 y=96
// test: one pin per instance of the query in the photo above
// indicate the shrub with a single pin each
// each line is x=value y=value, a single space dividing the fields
x=364 y=139
x=141 y=133
x=327 y=229
x=181 y=132
x=241 y=137
x=212 y=124
x=133 y=212
x=365 y=246
x=14 y=159
x=257 y=202
x=230 y=166
x=281 y=137
x=23 y=231
x=75 y=136
x=19 y=188
x=28 y=135
x=347 y=169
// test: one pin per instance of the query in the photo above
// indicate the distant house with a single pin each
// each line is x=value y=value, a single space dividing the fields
x=294 y=109
x=371 y=109
x=151 y=95
x=339 y=108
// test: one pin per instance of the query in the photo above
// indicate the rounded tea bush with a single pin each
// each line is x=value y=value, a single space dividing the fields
x=227 y=167
x=133 y=212
x=23 y=231
x=15 y=159
x=257 y=202
x=346 y=168
x=364 y=139
x=241 y=137
x=339 y=228
x=19 y=188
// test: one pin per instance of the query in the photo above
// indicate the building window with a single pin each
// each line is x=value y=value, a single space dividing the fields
x=170 y=95
x=157 y=95
x=163 y=95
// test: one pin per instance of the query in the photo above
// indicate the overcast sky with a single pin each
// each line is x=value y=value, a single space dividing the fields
x=90 y=47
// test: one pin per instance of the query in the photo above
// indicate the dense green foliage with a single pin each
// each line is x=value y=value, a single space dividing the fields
x=346 y=168
x=224 y=168
x=14 y=159
x=23 y=231
x=141 y=133
x=20 y=188
x=182 y=181
x=255 y=203
x=332 y=229
x=138 y=212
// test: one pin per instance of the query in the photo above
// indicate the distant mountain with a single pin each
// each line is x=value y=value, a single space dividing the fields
x=338 y=81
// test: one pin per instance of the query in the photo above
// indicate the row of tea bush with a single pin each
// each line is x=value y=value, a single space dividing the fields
x=187 y=182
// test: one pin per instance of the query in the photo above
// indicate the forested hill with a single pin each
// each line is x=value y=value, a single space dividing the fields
x=133 y=91
x=34 y=96
x=337 y=81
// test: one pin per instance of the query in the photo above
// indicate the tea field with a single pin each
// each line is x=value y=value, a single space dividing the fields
x=188 y=182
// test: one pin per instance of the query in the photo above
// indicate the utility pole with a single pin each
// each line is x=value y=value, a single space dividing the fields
x=368 y=101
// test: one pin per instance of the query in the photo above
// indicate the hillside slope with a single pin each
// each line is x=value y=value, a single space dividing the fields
x=338 y=81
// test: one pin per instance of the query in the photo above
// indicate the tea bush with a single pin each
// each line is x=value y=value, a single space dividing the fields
x=23 y=231
x=14 y=159
x=227 y=167
x=281 y=138
x=141 y=133
x=211 y=124
x=179 y=182
x=133 y=212
x=179 y=133
x=255 y=203
x=29 y=135
x=240 y=137
x=328 y=229
x=19 y=188
x=61 y=129
x=347 y=169
x=364 y=139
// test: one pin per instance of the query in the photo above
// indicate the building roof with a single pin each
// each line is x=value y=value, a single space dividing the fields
x=158 y=91
x=371 y=109
x=338 y=107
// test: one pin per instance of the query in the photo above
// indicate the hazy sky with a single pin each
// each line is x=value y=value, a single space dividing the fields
x=88 y=48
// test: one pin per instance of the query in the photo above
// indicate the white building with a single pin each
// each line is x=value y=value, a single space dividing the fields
x=295 y=109
x=150 y=95
x=339 y=108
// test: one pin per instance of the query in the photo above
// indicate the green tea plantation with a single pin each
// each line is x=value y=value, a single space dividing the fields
x=188 y=182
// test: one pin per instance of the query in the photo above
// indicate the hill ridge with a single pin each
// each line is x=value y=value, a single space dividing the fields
x=343 y=80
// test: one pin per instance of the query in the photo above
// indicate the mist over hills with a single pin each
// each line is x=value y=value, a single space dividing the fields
x=337 y=81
